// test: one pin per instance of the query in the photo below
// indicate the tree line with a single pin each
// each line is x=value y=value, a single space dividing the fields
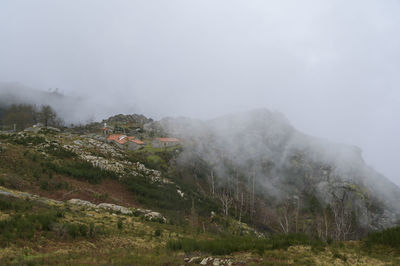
x=21 y=116
x=240 y=196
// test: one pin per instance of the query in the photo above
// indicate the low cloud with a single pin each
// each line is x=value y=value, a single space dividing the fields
x=330 y=67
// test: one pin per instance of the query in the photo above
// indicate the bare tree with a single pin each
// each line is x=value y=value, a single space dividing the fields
x=226 y=201
x=288 y=214
x=297 y=209
x=47 y=116
x=212 y=179
x=193 y=214
x=20 y=116
x=251 y=189
x=342 y=215
x=284 y=217
x=241 y=207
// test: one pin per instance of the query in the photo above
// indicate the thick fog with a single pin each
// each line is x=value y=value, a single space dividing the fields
x=332 y=67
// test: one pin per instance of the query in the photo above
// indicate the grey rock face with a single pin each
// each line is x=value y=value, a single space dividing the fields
x=113 y=207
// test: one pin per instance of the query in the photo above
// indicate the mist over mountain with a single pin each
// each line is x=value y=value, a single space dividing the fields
x=284 y=161
x=178 y=132
x=72 y=109
x=66 y=106
x=250 y=140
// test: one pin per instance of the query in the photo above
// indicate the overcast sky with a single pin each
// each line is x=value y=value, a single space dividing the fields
x=332 y=67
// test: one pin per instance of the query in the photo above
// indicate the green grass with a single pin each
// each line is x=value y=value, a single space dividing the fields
x=229 y=245
x=389 y=237
x=155 y=158
x=81 y=170
x=149 y=149
x=60 y=152
x=160 y=196
x=25 y=219
x=8 y=204
x=24 y=140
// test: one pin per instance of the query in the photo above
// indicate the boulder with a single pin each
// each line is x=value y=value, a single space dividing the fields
x=154 y=215
x=204 y=261
x=113 y=207
x=82 y=203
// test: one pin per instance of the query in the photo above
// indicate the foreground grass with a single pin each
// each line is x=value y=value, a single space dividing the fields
x=130 y=240
x=389 y=237
x=33 y=233
x=231 y=244
x=99 y=254
x=128 y=248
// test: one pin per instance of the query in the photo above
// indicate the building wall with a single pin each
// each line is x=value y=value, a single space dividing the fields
x=171 y=144
x=158 y=144
x=134 y=146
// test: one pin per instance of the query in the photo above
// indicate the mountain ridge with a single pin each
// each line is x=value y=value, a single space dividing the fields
x=261 y=133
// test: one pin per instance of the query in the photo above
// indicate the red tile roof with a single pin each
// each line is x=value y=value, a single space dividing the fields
x=121 y=139
x=137 y=141
x=168 y=139
x=114 y=136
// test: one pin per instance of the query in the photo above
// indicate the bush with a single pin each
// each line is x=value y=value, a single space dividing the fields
x=7 y=203
x=95 y=230
x=82 y=170
x=83 y=230
x=155 y=195
x=60 y=152
x=44 y=184
x=337 y=255
x=155 y=162
x=119 y=224
x=92 y=231
x=24 y=226
x=174 y=245
x=157 y=233
x=72 y=230
x=228 y=245
x=388 y=237
x=26 y=140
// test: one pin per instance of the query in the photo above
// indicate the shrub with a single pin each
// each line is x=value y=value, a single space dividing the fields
x=388 y=237
x=26 y=140
x=36 y=175
x=92 y=231
x=83 y=230
x=155 y=162
x=23 y=226
x=44 y=184
x=157 y=233
x=119 y=224
x=7 y=203
x=337 y=255
x=72 y=230
x=228 y=245
x=60 y=152
x=60 y=214
x=174 y=245
x=95 y=230
x=162 y=196
x=82 y=170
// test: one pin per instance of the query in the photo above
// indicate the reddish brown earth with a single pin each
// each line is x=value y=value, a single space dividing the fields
x=16 y=172
x=109 y=191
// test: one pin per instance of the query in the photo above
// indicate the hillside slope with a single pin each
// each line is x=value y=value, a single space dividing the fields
x=261 y=147
x=239 y=189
